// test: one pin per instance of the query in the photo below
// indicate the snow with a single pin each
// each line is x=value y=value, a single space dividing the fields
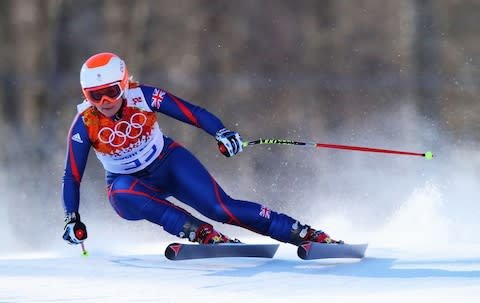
x=384 y=275
x=407 y=261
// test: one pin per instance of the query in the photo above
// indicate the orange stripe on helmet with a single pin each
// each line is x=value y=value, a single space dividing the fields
x=99 y=60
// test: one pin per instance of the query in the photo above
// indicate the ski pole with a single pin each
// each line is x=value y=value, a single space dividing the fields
x=84 y=251
x=428 y=155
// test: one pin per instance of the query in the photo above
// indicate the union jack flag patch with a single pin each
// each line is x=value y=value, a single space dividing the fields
x=157 y=98
x=265 y=212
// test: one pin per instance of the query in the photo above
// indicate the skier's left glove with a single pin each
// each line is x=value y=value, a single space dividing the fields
x=229 y=142
x=75 y=232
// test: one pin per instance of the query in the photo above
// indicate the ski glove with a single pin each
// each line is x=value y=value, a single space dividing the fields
x=75 y=232
x=229 y=142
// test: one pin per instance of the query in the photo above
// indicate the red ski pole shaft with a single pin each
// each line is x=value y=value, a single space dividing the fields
x=368 y=149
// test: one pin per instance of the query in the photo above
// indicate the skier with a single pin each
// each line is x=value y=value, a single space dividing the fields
x=144 y=167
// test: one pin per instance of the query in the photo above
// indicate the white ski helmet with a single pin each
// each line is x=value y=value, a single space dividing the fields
x=104 y=77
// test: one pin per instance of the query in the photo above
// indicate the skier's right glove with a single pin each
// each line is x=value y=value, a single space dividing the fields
x=229 y=142
x=75 y=232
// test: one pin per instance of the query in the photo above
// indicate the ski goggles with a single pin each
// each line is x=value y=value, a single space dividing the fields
x=109 y=92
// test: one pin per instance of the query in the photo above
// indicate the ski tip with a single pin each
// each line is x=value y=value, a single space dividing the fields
x=312 y=250
x=303 y=250
x=172 y=250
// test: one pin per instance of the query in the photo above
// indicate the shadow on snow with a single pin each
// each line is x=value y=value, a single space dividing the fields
x=368 y=267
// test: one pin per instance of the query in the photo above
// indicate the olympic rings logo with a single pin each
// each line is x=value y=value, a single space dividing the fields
x=124 y=130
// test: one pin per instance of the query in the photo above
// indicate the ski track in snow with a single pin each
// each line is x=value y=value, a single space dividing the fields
x=385 y=274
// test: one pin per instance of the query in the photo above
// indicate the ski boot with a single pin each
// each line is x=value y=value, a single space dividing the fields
x=320 y=237
x=196 y=230
x=206 y=234
x=302 y=233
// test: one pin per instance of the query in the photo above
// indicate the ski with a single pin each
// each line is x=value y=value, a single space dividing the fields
x=178 y=251
x=313 y=250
